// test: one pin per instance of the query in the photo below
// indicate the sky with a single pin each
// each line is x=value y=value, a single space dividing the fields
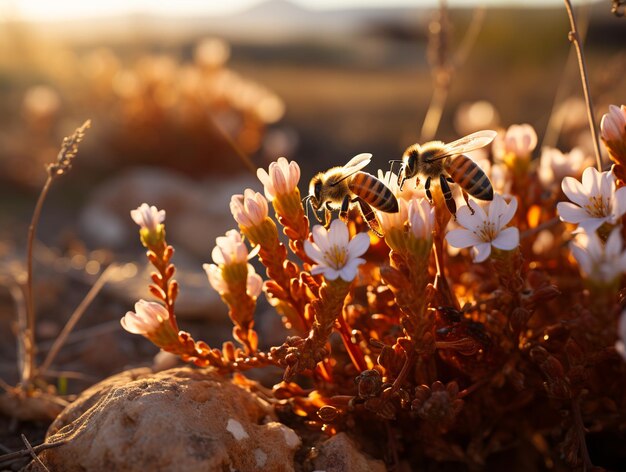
x=41 y=10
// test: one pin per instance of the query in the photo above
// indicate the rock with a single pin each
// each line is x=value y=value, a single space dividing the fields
x=179 y=419
x=341 y=454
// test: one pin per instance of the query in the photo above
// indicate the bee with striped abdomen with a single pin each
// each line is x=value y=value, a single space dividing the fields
x=339 y=187
x=448 y=163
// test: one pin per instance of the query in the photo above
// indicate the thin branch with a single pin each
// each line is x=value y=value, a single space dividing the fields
x=83 y=334
x=26 y=452
x=234 y=146
x=17 y=293
x=62 y=164
x=444 y=68
x=540 y=227
x=555 y=122
x=78 y=313
x=33 y=453
x=28 y=334
x=574 y=37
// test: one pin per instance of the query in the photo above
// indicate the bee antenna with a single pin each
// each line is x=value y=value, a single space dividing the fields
x=306 y=204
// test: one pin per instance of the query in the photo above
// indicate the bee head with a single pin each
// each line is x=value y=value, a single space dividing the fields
x=315 y=190
x=409 y=164
x=410 y=158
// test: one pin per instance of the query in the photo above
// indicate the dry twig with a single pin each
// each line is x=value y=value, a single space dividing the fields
x=574 y=37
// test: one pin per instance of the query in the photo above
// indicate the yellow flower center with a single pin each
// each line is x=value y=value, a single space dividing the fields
x=336 y=257
x=598 y=207
x=488 y=232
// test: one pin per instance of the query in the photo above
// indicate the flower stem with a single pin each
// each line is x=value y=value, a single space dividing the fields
x=574 y=37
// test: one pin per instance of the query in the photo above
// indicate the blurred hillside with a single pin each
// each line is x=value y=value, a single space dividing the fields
x=339 y=82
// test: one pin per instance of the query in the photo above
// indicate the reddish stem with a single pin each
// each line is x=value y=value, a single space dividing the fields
x=354 y=351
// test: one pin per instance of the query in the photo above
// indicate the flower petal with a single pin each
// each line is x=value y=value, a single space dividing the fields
x=575 y=191
x=465 y=218
x=338 y=234
x=507 y=240
x=313 y=252
x=590 y=225
x=330 y=273
x=571 y=213
x=592 y=181
x=496 y=208
x=254 y=285
x=320 y=236
x=481 y=252
x=359 y=245
x=462 y=238
x=507 y=214
x=619 y=202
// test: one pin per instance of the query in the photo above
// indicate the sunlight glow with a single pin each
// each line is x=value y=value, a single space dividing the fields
x=46 y=10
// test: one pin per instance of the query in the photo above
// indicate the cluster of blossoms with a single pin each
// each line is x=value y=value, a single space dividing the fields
x=407 y=317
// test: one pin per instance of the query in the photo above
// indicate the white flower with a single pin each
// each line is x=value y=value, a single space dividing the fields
x=596 y=200
x=519 y=140
x=620 y=345
x=148 y=217
x=554 y=166
x=249 y=209
x=334 y=253
x=230 y=249
x=146 y=319
x=483 y=230
x=600 y=262
x=613 y=124
x=421 y=218
x=254 y=282
x=282 y=179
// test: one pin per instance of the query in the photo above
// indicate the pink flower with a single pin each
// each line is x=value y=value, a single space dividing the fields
x=421 y=218
x=215 y=274
x=335 y=254
x=146 y=319
x=148 y=217
x=519 y=140
x=613 y=124
x=230 y=249
x=282 y=178
x=554 y=165
x=249 y=209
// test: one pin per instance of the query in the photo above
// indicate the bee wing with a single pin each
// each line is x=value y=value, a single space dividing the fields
x=358 y=162
x=471 y=142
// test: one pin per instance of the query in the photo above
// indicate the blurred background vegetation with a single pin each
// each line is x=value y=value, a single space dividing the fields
x=316 y=85
x=176 y=101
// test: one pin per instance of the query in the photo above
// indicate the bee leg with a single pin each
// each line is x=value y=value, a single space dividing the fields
x=466 y=198
x=427 y=189
x=447 y=195
x=315 y=211
x=401 y=179
x=345 y=206
x=327 y=215
x=369 y=216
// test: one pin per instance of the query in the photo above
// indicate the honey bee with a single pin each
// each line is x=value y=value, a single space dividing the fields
x=339 y=187
x=447 y=162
